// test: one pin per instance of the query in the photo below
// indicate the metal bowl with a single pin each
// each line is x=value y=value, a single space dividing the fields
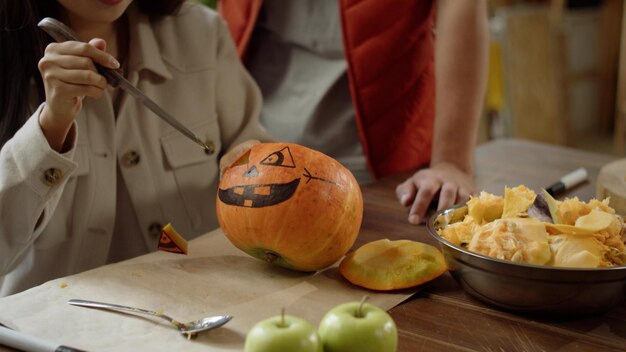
x=527 y=288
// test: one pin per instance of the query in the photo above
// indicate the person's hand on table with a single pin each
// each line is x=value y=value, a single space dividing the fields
x=237 y=151
x=444 y=179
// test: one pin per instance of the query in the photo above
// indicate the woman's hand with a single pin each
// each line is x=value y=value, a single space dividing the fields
x=69 y=75
x=451 y=184
x=232 y=155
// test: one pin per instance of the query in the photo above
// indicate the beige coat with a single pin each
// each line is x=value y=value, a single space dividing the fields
x=59 y=210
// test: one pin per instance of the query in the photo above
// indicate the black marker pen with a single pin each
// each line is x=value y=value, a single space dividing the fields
x=568 y=181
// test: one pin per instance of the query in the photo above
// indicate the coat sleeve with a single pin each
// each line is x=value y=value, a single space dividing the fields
x=238 y=97
x=32 y=179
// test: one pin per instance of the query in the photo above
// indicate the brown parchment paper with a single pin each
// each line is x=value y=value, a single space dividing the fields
x=215 y=278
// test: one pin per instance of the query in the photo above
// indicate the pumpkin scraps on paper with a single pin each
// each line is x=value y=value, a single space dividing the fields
x=172 y=241
x=290 y=206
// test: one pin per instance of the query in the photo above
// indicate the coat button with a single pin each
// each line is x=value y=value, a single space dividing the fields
x=52 y=176
x=130 y=158
x=155 y=229
x=210 y=147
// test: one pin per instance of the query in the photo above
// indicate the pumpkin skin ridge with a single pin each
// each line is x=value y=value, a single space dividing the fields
x=258 y=251
x=282 y=239
x=283 y=229
x=357 y=219
x=254 y=248
x=236 y=240
x=328 y=243
x=302 y=257
x=259 y=247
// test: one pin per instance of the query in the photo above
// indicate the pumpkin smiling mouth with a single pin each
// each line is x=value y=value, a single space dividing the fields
x=258 y=195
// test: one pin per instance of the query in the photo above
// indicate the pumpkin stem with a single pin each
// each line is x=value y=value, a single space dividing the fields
x=271 y=257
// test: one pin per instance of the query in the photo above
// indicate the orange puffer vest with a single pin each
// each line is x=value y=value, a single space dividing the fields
x=389 y=47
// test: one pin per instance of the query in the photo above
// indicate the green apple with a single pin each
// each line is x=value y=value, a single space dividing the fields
x=358 y=326
x=283 y=333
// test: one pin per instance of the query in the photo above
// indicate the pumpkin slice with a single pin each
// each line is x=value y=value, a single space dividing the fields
x=595 y=221
x=565 y=229
x=575 y=251
x=389 y=265
x=589 y=224
x=517 y=200
x=485 y=208
x=172 y=241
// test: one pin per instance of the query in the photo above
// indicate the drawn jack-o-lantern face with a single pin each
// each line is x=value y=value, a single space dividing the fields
x=256 y=195
x=279 y=201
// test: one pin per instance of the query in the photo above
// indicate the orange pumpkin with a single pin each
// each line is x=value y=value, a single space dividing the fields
x=290 y=205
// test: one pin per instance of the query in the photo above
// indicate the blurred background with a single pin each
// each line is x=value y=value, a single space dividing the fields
x=554 y=73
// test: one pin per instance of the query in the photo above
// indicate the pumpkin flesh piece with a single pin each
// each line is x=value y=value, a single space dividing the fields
x=517 y=200
x=595 y=221
x=389 y=265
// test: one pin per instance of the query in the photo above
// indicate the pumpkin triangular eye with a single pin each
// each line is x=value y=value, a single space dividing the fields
x=243 y=160
x=172 y=241
x=281 y=158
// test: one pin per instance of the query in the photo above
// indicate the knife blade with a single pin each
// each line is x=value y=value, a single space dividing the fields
x=60 y=33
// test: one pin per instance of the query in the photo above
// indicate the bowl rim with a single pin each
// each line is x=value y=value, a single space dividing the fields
x=431 y=229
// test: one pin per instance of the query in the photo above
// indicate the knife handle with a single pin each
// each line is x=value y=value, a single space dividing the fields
x=29 y=343
x=61 y=33
x=67 y=349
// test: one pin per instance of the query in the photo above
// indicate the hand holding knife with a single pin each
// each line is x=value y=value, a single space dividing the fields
x=60 y=32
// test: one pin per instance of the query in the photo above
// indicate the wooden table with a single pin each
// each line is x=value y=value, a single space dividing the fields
x=441 y=317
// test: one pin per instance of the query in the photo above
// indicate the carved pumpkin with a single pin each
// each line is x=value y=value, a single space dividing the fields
x=290 y=205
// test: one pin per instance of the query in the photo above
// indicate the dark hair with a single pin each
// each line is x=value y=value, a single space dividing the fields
x=22 y=45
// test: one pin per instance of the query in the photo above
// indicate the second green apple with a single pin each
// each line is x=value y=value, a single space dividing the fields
x=358 y=326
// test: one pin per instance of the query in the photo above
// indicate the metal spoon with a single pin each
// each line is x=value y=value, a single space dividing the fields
x=191 y=328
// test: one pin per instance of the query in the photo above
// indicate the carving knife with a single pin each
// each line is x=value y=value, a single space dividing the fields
x=24 y=342
x=60 y=32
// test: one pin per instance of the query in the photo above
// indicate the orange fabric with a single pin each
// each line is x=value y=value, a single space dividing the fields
x=241 y=17
x=389 y=47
